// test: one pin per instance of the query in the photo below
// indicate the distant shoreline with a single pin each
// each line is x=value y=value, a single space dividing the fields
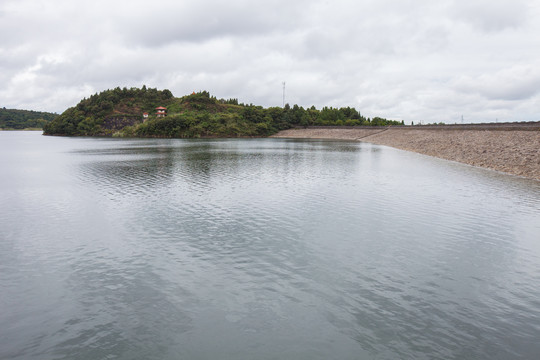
x=512 y=148
x=26 y=129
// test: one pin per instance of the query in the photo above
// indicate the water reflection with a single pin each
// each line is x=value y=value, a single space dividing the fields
x=264 y=249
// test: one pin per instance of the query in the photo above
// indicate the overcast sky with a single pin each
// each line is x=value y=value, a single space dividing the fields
x=412 y=60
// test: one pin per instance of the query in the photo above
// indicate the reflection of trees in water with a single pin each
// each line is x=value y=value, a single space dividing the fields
x=129 y=169
x=159 y=164
x=197 y=163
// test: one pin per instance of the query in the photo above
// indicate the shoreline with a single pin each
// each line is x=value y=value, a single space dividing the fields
x=25 y=129
x=510 y=148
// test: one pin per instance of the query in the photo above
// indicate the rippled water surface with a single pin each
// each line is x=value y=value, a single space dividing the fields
x=261 y=249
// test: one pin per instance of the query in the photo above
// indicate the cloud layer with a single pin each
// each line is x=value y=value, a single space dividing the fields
x=415 y=60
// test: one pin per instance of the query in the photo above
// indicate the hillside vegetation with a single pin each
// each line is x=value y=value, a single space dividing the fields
x=119 y=112
x=14 y=119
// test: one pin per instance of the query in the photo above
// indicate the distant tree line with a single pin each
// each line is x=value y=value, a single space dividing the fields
x=24 y=119
x=196 y=115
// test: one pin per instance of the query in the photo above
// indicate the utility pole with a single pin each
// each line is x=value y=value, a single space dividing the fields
x=284 y=94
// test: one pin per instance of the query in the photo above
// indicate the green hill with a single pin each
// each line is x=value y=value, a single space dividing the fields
x=13 y=119
x=119 y=112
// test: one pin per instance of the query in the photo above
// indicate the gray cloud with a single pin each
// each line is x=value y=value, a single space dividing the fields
x=492 y=15
x=410 y=60
x=512 y=84
x=172 y=21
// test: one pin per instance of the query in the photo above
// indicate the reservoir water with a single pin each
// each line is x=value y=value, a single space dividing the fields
x=261 y=249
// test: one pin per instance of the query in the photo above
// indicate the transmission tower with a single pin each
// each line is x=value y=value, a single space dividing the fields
x=284 y=94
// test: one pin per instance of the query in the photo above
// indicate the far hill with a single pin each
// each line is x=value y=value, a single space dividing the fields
x=14 y=119
x=121 y=112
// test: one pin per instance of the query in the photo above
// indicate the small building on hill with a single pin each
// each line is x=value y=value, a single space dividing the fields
x=161 y=111
x=145 y=116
